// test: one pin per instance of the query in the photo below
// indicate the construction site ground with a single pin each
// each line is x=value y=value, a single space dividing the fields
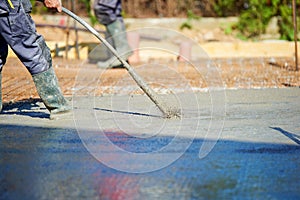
x=238 y=135
x=240 y=64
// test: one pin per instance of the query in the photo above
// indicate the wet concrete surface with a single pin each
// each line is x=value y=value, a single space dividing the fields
x=254 y=154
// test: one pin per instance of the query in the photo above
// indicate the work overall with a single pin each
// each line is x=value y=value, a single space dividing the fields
x=18 y=31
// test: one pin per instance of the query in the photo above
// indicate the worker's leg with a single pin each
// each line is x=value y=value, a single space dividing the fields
x=109 y=14
x=3 y=56
x=107 y=11
x=47 y=86
x=19 y=32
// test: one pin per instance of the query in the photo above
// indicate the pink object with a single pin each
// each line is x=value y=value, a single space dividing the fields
x=185 y=51
x=134 y=42
x=62 y=21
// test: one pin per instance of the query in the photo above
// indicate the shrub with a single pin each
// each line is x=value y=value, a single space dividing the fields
x=254 y=20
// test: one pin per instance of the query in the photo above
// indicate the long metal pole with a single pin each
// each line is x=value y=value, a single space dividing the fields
x=76 y=32
x=67 y=34
x=295 y=33
x=168 y=113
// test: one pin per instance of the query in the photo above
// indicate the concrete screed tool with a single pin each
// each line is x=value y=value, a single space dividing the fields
x=167 y=112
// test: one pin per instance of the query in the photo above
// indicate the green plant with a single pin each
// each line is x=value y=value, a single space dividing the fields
x=38 y=8
x=228 y=30
x=188 y=23
x=285 y=23
x=254 y=21
x=88 y=8
x=221 y=7
x=191 y=15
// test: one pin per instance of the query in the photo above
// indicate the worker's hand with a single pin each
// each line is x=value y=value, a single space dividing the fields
x=53 y=4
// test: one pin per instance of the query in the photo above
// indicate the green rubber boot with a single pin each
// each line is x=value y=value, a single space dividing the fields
x=0 y=92
x=47 y=87
x=118 y=33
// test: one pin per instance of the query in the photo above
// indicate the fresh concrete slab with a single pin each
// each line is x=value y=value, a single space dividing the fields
x=244 y=146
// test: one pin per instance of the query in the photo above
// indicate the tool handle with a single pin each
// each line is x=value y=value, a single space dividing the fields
x=142 y=84
x=94 y=32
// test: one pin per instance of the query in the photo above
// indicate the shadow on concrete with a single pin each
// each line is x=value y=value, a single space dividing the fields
x=52 y=163
x=128 y=113
x=34 y=108
x=292 y=136
x=30 y=107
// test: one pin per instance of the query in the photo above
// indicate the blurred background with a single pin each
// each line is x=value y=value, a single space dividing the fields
x=253 y=16
x=251 y=42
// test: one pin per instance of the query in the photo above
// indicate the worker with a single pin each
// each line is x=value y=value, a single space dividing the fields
x=109 y=13
x=18 y=31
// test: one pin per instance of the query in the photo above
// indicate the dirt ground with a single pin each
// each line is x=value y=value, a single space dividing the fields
x=79 y=76
x=75 y=76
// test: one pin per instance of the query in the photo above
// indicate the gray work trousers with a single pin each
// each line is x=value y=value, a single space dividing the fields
x=19 y=32
x=108 y=11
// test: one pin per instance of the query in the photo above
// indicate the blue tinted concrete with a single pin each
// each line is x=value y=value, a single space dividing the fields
x=257 y=156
